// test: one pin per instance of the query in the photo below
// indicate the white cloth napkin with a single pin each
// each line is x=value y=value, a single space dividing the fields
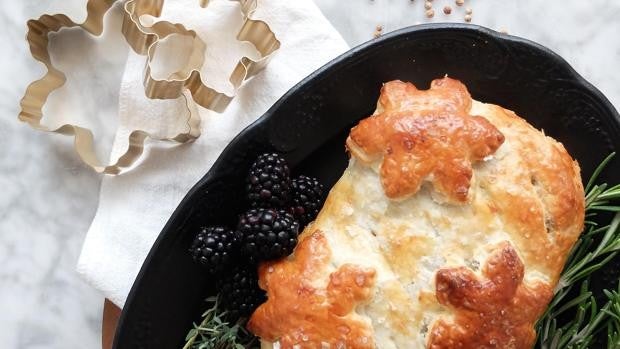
x=134 y=207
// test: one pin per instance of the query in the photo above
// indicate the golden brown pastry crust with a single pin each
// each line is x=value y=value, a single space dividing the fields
x=496 y=311
x=437 y=255
x=425 y=135
x=299 y=311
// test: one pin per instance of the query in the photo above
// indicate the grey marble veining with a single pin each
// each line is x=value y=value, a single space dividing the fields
x=48 y=197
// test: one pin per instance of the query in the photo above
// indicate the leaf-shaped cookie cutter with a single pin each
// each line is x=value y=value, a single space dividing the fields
x=143 y=40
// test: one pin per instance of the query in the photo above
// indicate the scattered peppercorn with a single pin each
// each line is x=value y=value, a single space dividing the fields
x=469 y=11
x=378 y=31
x=430 y=13
x=447 y=10
x=428 y=5
x=460 y=2
x=467 y=18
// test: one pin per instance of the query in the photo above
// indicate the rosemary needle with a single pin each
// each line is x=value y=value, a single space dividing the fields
x=214 y=332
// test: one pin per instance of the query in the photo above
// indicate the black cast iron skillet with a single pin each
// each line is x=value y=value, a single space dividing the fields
x=309 y=125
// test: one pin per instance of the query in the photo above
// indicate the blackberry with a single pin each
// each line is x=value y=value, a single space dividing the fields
x=214 y=248
x=239 y=292
x=268 y=182
x=267 y=234
x=307 y=199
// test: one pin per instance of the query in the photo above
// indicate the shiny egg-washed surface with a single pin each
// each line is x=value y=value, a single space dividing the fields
x=450 y=270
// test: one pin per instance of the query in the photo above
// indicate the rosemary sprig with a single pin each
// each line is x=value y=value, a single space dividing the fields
x=596 y=247
x=214 y=332
x=613 y=312
x=579 y=332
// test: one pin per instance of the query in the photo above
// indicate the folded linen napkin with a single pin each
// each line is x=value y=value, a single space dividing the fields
x=134 y=207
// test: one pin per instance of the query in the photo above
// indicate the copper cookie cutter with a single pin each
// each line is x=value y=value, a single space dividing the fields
x=186 y=82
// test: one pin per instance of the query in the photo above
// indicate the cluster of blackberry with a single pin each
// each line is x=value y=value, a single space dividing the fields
x=279 y=208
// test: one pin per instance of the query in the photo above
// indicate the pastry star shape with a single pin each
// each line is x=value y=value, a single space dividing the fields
x=495 y=311
x=425 y=136
x=310 y=315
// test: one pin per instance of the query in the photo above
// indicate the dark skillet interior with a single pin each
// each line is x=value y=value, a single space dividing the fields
x=309 y=126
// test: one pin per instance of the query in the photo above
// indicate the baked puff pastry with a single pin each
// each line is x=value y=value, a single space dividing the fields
x=448 y=229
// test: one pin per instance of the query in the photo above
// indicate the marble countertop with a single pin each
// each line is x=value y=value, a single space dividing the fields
x=49 y=197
